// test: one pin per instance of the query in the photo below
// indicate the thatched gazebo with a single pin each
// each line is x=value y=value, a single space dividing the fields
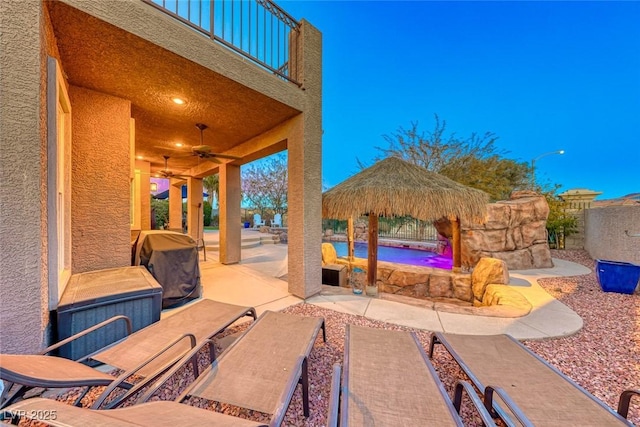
x=394 y=187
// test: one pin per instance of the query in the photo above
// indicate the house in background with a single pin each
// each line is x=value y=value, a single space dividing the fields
x=89 y=113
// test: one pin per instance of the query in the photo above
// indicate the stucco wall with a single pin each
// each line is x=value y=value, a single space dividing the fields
x=605 y=236
x=100 y=181
x=23 y=317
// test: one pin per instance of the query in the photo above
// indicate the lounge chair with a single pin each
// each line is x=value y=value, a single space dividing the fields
x=148 y=352
x=258 y=221
x=277 y=220
x=157 y=414
x=499 y=364
x=260 y=370
x=388 y=381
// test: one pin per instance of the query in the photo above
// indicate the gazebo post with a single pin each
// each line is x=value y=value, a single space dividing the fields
x=457 y=247
x=350 y=238
x=372 y=256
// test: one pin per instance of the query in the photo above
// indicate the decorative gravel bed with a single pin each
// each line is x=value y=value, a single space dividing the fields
x=604 y=357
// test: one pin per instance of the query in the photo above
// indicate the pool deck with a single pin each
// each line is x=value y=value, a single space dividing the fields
x=259 y=280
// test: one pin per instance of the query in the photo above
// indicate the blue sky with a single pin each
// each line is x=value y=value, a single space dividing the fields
x=542 y=76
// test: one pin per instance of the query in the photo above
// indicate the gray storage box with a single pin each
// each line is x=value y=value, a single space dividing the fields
x=95 y=296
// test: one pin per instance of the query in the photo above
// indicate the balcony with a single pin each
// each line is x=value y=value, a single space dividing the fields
x=256 y=29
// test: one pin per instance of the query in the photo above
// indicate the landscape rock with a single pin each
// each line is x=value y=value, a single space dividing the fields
x=487 y=271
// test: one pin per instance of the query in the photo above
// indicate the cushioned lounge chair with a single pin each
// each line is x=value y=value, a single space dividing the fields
x=260 y=370
x=157 y=414
x=388 y=381
x=148 y=352
x=499 y=364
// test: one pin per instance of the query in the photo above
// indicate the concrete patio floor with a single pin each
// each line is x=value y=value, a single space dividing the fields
x=259 y=280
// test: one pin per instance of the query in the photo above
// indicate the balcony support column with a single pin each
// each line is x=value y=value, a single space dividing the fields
x=229 y=210
x=305 y=170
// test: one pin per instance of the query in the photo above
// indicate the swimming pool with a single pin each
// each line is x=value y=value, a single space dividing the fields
x=399 y=255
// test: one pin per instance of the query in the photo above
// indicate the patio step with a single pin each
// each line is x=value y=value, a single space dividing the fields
x=246 y=242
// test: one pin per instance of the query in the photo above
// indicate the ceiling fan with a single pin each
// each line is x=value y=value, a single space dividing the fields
x=205 y=151
x=166 y=173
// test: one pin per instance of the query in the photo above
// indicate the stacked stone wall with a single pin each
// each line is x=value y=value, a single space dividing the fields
x=485 y=291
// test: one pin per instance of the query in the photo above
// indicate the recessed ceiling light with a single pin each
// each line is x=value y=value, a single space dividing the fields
x=139 y=157
x=178 y=144
x=178 y=101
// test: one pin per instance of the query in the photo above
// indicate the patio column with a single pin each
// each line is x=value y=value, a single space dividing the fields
x=229 y=211
x=305 y=171
x=175 y=203
x=194 y=208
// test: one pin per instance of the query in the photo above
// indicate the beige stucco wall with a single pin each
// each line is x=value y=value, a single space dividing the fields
x=143 y=187
x=605 y=236
x=23 y=286
x=100 y=181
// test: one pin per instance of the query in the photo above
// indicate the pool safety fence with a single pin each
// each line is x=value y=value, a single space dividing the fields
x=403 y=228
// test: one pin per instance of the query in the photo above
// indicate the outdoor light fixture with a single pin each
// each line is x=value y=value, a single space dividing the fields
x=154 y=187
x=178 y=101
x=533 y=164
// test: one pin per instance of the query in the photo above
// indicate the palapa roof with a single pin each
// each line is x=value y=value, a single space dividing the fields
x=394 y=187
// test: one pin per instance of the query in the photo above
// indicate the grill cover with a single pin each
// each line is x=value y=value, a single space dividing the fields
x=172 y=259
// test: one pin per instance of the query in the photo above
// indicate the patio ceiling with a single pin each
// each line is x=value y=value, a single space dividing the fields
x=101 y=57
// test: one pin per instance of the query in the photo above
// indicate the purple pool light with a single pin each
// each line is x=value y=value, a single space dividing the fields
x=399 y=255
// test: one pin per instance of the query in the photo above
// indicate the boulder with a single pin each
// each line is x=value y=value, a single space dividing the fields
x=499 y=294
x=488 y=270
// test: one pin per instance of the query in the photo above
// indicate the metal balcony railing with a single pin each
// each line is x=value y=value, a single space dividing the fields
x=256 y=29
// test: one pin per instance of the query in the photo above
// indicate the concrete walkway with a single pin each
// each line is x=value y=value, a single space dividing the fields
x=258 y=281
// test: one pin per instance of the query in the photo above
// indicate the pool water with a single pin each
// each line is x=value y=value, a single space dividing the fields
x=399 y=255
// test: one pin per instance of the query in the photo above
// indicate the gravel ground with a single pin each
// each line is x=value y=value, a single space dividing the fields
x=604 y=357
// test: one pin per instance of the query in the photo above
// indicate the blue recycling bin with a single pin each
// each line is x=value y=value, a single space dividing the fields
x=615 y=276
x=247 y=224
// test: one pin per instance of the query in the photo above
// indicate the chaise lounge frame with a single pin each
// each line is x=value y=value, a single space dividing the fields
x=148 y=353
x=527 y=384
x=157 y=414
x=260 y=370
x=392 y=364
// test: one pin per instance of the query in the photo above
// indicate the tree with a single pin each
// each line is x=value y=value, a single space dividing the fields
x=264 y=184
x=474 y=161
x=560 y=223
x=494 y=175
x=211 y=183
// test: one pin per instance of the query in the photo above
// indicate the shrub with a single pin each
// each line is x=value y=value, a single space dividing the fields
x=160 y=210
x=207 y=213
